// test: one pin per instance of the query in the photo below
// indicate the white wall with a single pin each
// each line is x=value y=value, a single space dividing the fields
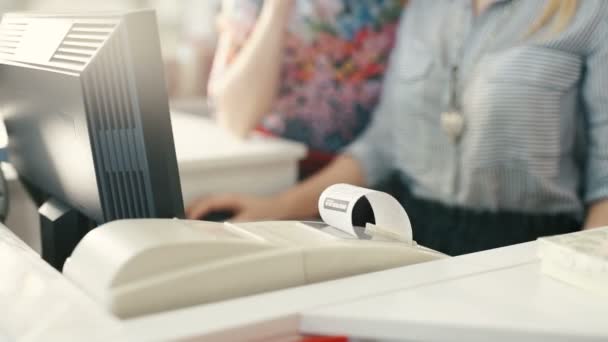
x=176 y=18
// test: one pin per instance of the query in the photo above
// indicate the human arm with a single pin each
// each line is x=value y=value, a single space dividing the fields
x=595 y=97
x=299 y=202
x=597 y=215
x=242 y=90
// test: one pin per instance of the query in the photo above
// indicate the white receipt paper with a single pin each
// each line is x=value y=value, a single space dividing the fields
x=337 y=202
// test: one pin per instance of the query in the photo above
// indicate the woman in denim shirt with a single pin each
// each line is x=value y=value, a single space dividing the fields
x=494 y=116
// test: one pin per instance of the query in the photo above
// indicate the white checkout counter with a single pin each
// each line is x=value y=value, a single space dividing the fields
x=496 y=295
x=502 y=303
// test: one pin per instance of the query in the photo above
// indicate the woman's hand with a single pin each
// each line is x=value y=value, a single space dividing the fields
x=597 y=215
x=298 y=202
x=245 y=208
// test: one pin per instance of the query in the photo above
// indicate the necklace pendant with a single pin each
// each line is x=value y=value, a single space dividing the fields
x=452 y=123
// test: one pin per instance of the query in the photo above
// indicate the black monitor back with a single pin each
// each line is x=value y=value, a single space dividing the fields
x=86 y=110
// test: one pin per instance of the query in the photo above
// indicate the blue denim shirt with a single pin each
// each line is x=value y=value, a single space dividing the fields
x=535 y=107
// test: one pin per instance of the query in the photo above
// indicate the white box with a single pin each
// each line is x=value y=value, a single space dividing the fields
x=580 y=258
x=211 y=160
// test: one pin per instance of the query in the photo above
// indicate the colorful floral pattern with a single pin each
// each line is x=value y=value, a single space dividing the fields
x=335 y=56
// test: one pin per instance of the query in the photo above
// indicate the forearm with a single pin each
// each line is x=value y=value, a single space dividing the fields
x=247 y=88
x=597 y=215
x=301 y=201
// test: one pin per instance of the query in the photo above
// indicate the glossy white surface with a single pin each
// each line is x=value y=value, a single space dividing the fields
x=508 y=303
x=211 y=160
x=38 y=304
x=269 y=315
x=279 y=309
x=496 y=295
x=58 y=310
x=201 y=144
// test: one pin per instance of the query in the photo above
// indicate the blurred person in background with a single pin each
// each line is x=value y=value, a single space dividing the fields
x=305 y=70
x=494 y=115
x=189 y=51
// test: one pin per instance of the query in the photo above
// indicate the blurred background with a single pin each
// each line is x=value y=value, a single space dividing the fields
x=187 y=32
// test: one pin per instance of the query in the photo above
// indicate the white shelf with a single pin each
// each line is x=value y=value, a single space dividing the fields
x=509 y=303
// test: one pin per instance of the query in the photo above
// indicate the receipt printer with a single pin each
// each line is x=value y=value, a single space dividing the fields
x=137 y=267
x=134 y=267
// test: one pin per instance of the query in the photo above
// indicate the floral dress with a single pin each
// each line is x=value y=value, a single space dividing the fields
x=336 y=52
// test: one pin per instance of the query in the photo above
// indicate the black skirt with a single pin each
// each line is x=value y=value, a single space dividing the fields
x=456 y=231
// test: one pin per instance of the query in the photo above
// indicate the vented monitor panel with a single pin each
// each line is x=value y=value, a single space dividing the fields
x=86 y=110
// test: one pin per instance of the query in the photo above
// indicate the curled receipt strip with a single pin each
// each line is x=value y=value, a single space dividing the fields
x=337 y=203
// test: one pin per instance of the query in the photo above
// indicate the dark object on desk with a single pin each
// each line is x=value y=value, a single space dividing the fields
x=363 y=213
x=218 y=216
x=57 y=218
x=87 y=115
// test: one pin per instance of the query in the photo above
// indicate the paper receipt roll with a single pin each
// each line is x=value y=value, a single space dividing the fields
x=338 y=203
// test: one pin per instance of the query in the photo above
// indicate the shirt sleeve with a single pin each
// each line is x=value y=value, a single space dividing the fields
x=374 y=149
x=595 y=97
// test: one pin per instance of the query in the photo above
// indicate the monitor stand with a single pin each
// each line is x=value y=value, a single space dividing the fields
x=61 y=228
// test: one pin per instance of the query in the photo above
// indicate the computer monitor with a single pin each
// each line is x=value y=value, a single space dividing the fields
x=85 y=106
